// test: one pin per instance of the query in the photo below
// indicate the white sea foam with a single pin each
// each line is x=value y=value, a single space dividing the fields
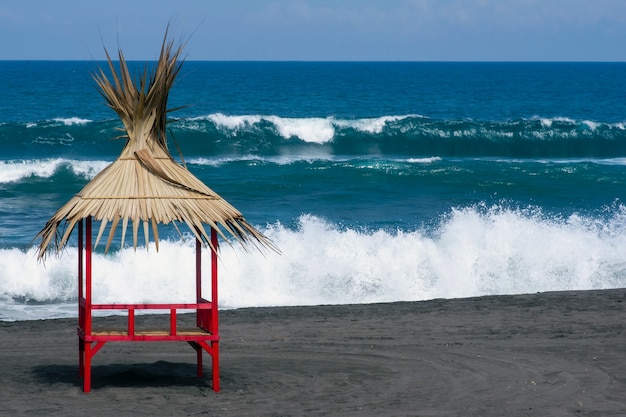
x=311 y=157
x=88 y=169
x=313 y=129
x=547 y=122
x=11 y=171
x=610 y=161
x=424 y=160
x=233 y=122
x=473 y=252
x=69 y=121
x=591 y=124
x=252 y=159
x=309 y=129
x=16 y=170
x=372 y=125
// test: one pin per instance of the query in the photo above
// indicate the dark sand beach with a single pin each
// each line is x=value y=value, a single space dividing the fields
x=548 y=354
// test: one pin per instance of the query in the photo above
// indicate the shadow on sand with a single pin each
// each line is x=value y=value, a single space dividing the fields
x=157 y=374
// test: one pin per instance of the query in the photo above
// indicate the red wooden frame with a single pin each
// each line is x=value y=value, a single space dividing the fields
x=204 y=337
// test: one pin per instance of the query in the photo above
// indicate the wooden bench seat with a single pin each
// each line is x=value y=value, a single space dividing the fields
x=182 y=332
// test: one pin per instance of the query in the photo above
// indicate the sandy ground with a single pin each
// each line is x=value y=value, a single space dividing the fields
x=549 y=354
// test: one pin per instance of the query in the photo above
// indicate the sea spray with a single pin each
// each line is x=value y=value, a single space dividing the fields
x=474 y=251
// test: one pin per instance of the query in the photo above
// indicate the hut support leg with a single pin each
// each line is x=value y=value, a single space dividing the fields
x=215 y=366
x=212 y=348
x=87 y=367
x=81 y=357
x=198 y=350
x=87 y=352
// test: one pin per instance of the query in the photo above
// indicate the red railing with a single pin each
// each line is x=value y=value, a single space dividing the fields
x=204 y=320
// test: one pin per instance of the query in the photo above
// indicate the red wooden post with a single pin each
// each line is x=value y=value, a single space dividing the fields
x=88 y=277
x=198 y=349
x=81 y=316
x=198 y=280
x=131 y=321
x=87 y=369
x=199 y=312
x=172 y=322
x=80 y=264
x=87 y=329
x=214 y=321
x=215 y=243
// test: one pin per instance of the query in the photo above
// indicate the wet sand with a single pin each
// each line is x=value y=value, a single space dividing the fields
x=548 y=354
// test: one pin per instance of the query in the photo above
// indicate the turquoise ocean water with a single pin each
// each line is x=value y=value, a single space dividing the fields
x=378 y=181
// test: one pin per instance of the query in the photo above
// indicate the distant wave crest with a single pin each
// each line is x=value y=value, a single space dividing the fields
x=311 y=129
x=411 y=134
x=17 y=170
x=219 y=135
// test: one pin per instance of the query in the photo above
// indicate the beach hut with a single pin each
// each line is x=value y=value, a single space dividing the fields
x=144 y=188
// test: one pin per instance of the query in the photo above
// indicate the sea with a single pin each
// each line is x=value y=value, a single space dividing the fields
x=378 y=181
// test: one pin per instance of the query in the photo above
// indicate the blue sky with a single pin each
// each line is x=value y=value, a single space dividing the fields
x=404 y=30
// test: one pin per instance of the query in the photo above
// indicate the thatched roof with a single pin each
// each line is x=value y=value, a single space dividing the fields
x=145 y=185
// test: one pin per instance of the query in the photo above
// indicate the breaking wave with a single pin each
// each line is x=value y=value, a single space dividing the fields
x=473 y=251
x=271 y=135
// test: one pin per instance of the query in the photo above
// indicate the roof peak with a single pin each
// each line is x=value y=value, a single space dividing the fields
x=145 y=184
x=142 y=104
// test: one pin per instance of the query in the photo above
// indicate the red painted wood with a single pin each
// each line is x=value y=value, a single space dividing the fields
x=131 y=321
x=138 y=337
x=214 y=350
x=81 y=314
x=80 y=259
x=144 y=306
x=88 y=276
x=206 y=311
x=173 y=322
x=214 y=322
x=198 y=269
x=199 y=366
x=81 y=356
x=87 y=367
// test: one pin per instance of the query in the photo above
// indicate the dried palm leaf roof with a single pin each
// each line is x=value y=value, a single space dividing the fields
x=145 y=185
